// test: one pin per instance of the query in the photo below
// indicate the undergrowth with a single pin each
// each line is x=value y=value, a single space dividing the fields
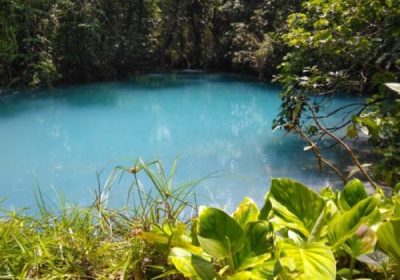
x=297 y=234
x=95 y=242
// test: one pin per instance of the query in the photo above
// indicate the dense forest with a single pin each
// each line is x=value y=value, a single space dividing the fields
x=43 y=42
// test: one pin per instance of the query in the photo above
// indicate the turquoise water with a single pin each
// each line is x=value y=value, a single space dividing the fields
x=61 y=138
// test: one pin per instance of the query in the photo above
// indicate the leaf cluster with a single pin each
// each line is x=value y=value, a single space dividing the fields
x=297 y=234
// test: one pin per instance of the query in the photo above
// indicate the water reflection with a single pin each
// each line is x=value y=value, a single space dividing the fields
x=214 y=123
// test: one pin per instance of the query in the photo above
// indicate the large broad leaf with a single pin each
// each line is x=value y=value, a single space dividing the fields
x=264 y=271
x=295 y=206
x=191 y=265
x=345 y=225
x=218 y=233
x=259 y=240
x=171 y=236
x=254 y=261
x=267 y=270
x=266 y=209
x=306 y=261
x=245 y=275
x=246 y=212
x=389 y=238
x=260 y=237
x=353 y=192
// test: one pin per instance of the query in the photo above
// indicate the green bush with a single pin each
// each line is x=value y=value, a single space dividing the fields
x=298 y=234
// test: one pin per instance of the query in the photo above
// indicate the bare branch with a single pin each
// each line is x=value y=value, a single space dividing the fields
x=318 y=156
x=345 y=146
x=340 y=109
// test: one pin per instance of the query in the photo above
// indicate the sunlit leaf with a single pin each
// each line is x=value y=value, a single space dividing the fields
x=266 y=209
x=245 y=275
x=259 y=235
x=153 y=237
x=254 y=261
x=353 y=192
x=246 y=212
x=191 y=265
x=306 y=261
x=295 y=206
x=218 y=233
x=344 y=225
x=389 y=238
x=267 y=270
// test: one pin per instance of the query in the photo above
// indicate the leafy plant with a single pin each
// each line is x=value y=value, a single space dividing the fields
x=299 y=234
x=348 y=232
x=72 y=242
x=343 y=46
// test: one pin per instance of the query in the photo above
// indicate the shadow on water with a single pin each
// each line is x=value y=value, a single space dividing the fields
x=292 y=148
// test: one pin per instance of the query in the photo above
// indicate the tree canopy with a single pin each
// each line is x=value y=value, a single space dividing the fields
x=345 y=45
x=46 y=41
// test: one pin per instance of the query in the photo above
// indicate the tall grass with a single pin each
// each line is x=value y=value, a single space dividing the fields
x=95 y=242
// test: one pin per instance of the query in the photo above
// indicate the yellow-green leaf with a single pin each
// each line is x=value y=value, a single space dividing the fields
x=306 y=261
x=295 y=206
x=246 y=212
x=218 y=233
x=389 y=238
x=345 y=225
x=191 y=265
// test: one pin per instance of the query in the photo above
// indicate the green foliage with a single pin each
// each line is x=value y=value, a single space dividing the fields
x=290 y=242
x=219 y=235
x=381 y=121
x=72 y=244
x=191 y=265
x=350 y=232
x=26 y=50
x=353 y=192
x=45 y=41
x=306 y=261
x=98 y=242
x=295 y=206
x=238 y=251
x=344 y=45
x=246 y=212
x=344 y=225
x=388 y=234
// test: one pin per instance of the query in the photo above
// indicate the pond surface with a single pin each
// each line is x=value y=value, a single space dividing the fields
x=60 y=139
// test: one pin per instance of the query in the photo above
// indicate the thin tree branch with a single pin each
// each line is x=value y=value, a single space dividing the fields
x=317 y=154
x=345 y=146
